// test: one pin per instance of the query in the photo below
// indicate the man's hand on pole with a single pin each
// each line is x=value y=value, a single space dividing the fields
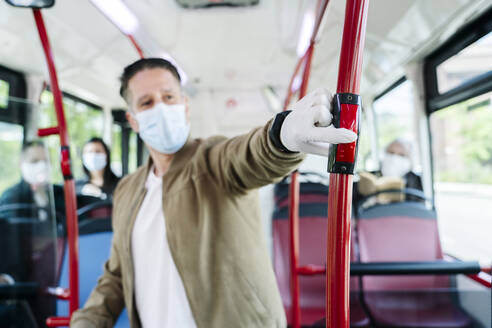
x=309 y=129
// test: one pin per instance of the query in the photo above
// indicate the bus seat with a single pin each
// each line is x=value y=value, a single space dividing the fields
x=405 y=231
x=95 y=209
x=313 y=204
x=94 y=248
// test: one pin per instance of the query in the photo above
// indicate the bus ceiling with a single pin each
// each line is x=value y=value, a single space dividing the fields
x=386 y=55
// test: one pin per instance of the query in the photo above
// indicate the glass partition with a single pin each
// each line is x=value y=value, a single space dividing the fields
x=31 y=228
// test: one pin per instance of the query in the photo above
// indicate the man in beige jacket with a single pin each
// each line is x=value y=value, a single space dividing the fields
x=188 y=248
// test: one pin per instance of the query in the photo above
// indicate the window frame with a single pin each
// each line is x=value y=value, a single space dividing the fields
x=80 y=100
x=119 y=118
x=15 y=112
x=476 y=86
x=394 y=85
x=383 y=93
x=68 y=95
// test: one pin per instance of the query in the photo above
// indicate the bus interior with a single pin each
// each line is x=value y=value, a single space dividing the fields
x=426 y=83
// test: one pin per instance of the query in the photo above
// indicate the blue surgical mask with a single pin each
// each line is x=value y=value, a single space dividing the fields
x=164 y=127
x=94 y=161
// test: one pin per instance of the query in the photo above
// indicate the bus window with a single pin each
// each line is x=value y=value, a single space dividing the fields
x=395 y=118
x=86 y=121
x=469 y=63
x=364 y=156
x=11 y=136
x=4 y=94
x=116 y=159
x=132 y=159
x=462 y=153
x=124 y=157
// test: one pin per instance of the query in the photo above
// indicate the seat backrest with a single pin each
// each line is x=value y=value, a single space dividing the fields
x=313 y=211
x=101 y=209
x=94 y=251
x=312 y=250
x=95 y=217
x=399 y=232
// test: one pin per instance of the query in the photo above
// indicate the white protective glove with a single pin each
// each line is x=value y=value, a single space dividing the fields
x=308 y=127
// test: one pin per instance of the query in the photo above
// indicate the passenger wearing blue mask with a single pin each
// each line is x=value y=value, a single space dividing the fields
x=188 y=247
x=100 y=181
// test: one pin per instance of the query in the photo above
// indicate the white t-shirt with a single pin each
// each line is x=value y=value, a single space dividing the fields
x=159 y=292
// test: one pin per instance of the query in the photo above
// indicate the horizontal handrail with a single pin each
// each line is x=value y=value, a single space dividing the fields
x=414 y=268
x=402 y=268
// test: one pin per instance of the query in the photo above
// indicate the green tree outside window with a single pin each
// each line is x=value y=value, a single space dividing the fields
x=4 y=94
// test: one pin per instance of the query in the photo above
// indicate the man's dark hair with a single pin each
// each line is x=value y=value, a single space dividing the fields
x=143 y=64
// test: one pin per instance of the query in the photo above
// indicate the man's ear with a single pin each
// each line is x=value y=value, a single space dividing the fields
x=133 y=122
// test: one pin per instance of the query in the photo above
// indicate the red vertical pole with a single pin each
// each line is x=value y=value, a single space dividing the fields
x=307 y=70
x=294 y=211
x=340 y=194
x=69 y=186
x=291 y=90
x=294 y=249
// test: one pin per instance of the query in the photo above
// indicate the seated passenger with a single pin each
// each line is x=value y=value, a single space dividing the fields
x=397 y=163
x=100 y=180
x=34 y=187
x=396 y=173
x=188 y=247
x=28 y=238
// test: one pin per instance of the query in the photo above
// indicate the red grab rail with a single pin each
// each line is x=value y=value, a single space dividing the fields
x=340 y=192
x=294 y=210
x=136 y=45
x=69 y=187
x=337 y=271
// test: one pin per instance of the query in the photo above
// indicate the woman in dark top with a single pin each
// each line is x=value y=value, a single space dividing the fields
x=100 y=180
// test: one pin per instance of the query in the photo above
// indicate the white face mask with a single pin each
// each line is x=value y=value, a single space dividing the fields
x=164 y=127
x=94 y=161
x=395 y=165
x=36 y=173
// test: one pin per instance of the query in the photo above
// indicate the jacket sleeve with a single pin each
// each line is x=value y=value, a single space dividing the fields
x=250 y=161
x=106 y=301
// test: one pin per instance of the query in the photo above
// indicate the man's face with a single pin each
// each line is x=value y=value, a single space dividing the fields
x=150 y=87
